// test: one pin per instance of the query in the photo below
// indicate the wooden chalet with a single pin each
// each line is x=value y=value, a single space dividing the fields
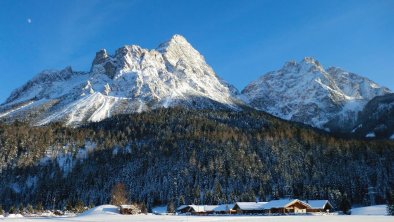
x=223 y=209
x=285 y=206
x=320 y=206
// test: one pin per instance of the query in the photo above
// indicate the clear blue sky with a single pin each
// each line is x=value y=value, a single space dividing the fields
x=241 y=40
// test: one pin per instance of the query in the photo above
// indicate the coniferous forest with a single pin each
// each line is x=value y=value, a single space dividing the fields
x=184 y=156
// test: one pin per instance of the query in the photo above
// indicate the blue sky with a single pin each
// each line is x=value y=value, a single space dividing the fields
x=241 y=40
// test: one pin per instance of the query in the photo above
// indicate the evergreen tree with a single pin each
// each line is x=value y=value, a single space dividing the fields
x=170 y=207
x=208 y=198
x=196 y=195
x=39 y=207
x=1 y=210
x=69 y=206
x=217 y=196
x=345 y=205
x=12 y=210
x=21 y=209
x=181 y=200
x=143 y=207
x=390 y=203
x=29 y=209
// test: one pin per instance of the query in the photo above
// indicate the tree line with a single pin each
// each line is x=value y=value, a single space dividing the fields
x=184 y=156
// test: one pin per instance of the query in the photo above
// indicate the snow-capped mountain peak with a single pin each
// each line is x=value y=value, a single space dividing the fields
x=132 y=79
x=175 y=41
x=306 y=65
x=306 y=92
x=178 y=52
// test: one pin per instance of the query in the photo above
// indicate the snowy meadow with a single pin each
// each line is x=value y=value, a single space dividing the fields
x=110 y=213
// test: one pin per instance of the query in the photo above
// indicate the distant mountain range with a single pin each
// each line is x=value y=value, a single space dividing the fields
x=175 y=74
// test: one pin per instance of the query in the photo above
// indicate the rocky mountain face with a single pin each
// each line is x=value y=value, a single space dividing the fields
x=305 y=92
x=134 y=79
x=377 y=118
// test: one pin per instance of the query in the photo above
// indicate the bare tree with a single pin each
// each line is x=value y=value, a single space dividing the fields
x=119 y=194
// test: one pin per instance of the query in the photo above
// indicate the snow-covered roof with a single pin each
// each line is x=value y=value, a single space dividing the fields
x=282 y=203
x=198 y=208
x=317 y=204
x=223 y=207
x=250 y=205
x=208 y=208
x=182 y=207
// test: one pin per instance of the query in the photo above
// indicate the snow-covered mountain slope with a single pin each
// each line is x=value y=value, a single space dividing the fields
x=377 y=118
x=306 y=92
x=134 y=79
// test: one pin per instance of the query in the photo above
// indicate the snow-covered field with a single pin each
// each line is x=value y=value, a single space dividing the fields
x=371 y=210
x=109 y=213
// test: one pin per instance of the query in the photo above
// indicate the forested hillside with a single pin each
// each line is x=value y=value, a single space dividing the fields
x=188 y=156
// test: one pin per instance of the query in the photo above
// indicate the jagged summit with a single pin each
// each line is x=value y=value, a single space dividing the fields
x=307 y=64
x=101 y=56
x=306 y=92
x=174 y=40
x=133 y=79
x=176 y=52
x=310 y=60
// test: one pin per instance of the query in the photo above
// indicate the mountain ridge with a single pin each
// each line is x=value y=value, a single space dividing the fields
x=134 y=79
x=306 y=92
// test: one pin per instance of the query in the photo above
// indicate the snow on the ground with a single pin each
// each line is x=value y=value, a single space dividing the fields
x=157 y=218
x=15 y=109
x=101 y=210
x=392 y=137
x=14 y=216
x=110 y=213
x=370 y=210
x=159 y=210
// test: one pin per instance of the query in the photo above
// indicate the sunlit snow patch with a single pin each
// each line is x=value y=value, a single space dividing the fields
x=370 y=135
x=16 y=109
